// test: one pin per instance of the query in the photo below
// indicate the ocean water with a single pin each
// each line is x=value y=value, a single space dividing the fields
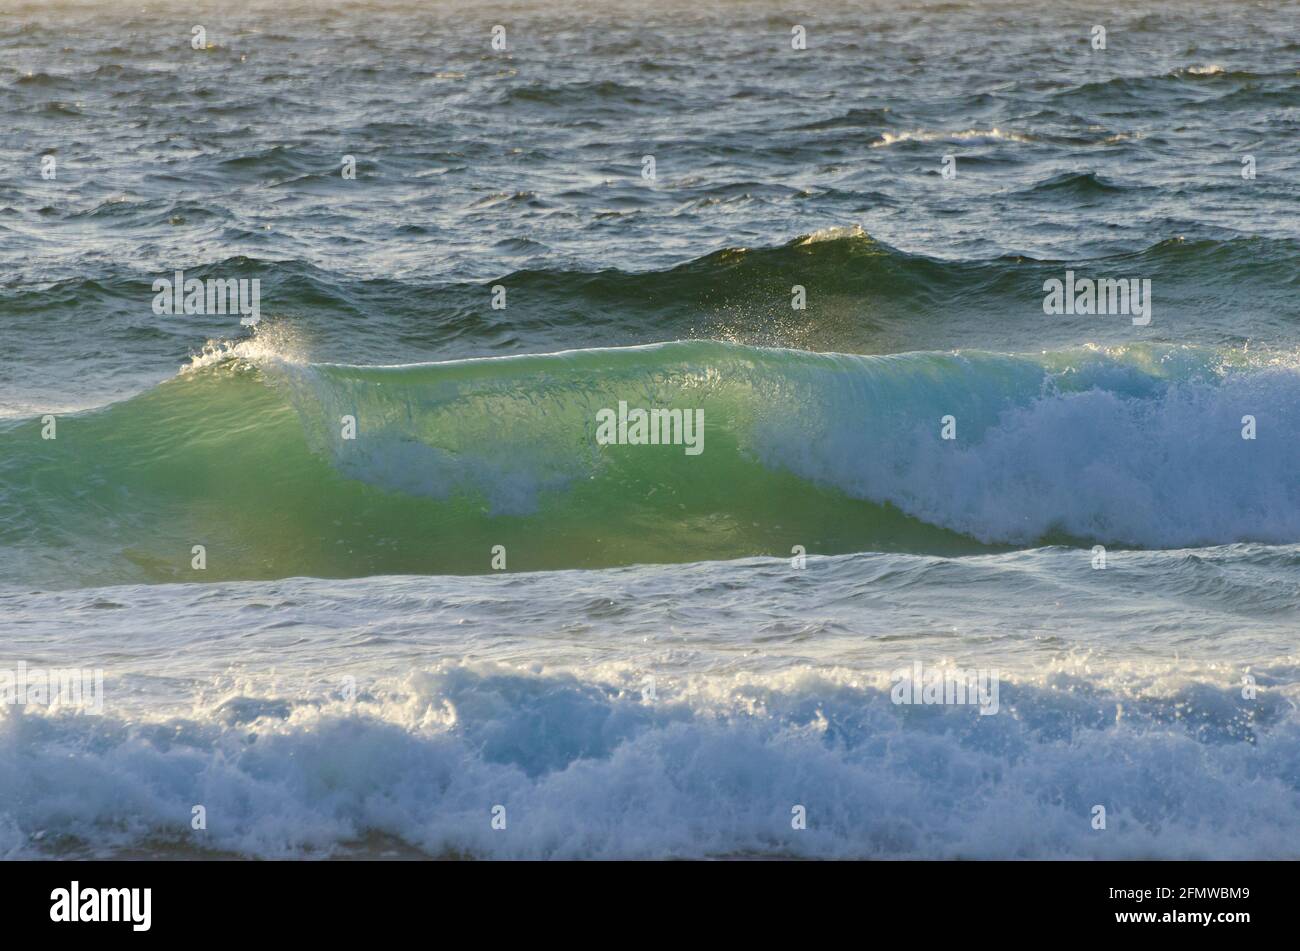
x=468 y=626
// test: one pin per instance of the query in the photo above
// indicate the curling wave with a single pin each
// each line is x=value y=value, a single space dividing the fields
x=246 y=453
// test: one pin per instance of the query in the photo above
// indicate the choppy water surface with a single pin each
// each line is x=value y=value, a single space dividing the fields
x=656 y=672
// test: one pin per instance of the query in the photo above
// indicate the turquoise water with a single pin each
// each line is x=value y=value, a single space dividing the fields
x=364 y=637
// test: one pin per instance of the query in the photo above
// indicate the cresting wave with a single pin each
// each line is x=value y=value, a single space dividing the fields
x=246 y=455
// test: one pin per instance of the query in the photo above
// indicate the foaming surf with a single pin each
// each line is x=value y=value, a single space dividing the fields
x=583 y=765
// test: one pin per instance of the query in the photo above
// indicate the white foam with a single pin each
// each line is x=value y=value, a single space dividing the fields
x=1126 y=455
x=586 y=768
x=966 y=135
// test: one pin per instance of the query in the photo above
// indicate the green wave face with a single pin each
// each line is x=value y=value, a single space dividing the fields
x=830 y=452
x=449 y=460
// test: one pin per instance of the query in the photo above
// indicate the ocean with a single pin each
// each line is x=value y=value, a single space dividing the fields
x=605 y=430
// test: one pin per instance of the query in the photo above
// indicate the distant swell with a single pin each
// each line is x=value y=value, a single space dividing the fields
x=861 y=296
